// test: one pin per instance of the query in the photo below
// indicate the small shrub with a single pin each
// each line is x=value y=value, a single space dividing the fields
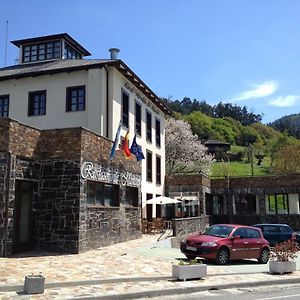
x=285 y=251
x=189 y=262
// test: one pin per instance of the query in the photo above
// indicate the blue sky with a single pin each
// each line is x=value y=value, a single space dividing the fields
x=243 y=52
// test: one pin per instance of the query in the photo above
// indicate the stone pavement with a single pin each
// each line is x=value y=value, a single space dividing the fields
x=129 y=270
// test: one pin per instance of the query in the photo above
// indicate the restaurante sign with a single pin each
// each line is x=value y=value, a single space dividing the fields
x=99 y=173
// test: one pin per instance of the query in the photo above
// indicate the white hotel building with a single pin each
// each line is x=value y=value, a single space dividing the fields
x=53 y=86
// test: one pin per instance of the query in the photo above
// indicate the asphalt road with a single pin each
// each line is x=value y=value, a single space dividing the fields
x=286 y=292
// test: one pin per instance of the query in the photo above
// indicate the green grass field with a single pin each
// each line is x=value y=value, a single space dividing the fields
x=240 y=168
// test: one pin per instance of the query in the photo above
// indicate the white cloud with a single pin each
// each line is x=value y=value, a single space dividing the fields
x=284 y=101
x=258 y=91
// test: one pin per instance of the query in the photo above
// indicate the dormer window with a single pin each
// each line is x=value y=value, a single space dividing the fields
x=58 y=46
x=70 y=53
x=41 y=51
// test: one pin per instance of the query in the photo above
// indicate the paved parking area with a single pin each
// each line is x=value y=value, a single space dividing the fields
x=130 y=267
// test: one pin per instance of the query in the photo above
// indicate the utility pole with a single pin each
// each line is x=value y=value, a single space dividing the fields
x=6 y=37
x=251 y=154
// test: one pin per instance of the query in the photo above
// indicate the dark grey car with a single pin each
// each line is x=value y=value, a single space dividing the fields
x=278 y=233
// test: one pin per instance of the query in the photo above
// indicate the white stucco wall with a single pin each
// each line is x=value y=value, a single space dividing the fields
x=55 y=85
x=118 y=84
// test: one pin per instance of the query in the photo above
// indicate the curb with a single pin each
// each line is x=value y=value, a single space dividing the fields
x=188 y=290
x=13 y=288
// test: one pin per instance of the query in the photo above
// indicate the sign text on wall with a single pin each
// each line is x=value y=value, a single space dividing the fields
x=97 y=172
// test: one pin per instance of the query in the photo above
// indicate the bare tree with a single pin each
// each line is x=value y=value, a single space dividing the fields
x=184 y=152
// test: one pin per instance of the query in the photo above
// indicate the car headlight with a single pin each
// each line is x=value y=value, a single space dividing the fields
x=209 y=244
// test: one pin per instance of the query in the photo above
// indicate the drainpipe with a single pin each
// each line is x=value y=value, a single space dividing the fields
x=107 y=100
x=7 y=204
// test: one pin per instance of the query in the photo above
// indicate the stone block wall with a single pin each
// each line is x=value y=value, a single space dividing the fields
x=52 y=160
x=56 y=211
x=96 y=148
x=102 y=226
x=187 y=185
x=264 y=184
x=188 y=180
x=106 y=226
x=4 y=134
x=24 y=141
x=4 y=206
x=186 y=226
x=259 y=186
x=64 y=144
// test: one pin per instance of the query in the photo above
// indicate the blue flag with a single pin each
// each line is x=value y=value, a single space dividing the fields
x=115 y=144
x=136 y=150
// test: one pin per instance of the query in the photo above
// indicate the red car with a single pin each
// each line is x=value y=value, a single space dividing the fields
x=224 y=242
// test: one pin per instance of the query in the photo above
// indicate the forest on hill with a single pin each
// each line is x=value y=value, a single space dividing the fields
x=289 y=124
x=239 y=127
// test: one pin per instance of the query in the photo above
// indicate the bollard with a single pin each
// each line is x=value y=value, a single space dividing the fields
x=34 y=284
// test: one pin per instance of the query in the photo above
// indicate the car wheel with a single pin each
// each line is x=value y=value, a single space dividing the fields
x=264 y=256
x=222 y=257
x=191 y=257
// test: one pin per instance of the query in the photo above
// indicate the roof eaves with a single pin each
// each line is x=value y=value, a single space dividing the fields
x=138 y=83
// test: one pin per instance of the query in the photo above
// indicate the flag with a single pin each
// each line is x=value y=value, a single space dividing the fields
x=136 y=150
x=115 y=144
x=125 y=146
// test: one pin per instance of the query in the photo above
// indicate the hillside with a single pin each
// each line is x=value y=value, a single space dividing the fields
x=289 y=124
x=256 y=148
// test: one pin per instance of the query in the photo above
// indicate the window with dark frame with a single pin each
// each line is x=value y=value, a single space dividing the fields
x=157 y=132
x=149 y=166
x=71 y=53
x=4 y=106
x=148 y=126
x=245 y=204
x=75 y=98
x=125 y=109
x=132 y=196
x=158 y=169
x=103 y=194
x=41 y=51
x=138 y=118
x=37 y=103
x=278 y=204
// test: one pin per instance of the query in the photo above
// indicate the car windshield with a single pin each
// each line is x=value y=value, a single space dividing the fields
x=219 y=230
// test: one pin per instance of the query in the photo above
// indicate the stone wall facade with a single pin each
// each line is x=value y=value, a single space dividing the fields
x=228 y=188
x=52 y=160
x=5 y=215
x=185 y=226
x=258 y=187
x=187 y=186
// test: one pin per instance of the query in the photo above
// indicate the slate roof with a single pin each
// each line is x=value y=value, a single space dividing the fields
x=49 y=67
x=70 y=65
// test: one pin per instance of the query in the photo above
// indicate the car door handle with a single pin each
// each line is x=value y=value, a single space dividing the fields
x=246 y=243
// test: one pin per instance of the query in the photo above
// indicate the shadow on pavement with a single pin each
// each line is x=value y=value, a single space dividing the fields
x=231 y=263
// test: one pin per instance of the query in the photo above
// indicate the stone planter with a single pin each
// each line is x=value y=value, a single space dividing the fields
x=280 y=267
x=34 y=284
x=184 y=272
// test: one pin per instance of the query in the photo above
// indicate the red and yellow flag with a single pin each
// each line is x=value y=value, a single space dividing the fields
x=125 y=146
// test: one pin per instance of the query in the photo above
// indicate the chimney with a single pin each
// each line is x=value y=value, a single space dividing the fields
x=114 y=53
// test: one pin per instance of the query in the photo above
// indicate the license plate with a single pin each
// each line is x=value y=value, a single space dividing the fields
x=191 y=248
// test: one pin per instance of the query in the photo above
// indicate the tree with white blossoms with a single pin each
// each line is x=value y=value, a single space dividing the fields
x=184 y=151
